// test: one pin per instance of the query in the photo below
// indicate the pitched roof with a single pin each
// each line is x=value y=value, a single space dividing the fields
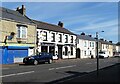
x=86 y=37
x=105 y=42
x=13 y=15
x=51 y=27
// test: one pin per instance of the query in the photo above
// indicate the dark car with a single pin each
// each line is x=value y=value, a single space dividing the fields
x=38 y=58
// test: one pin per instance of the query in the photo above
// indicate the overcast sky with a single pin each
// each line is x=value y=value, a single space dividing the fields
x=88 y=17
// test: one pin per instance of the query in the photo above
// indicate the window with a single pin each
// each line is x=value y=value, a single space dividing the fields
x=60 y=37
x=66 y=38
x=85 y=53
x=71 y=50
x=66 y=51
x=92 y=44
x=53 y=37
x=71 y=39
x=45 y=36
x=85 y=45
x=90 y=52
x=21 y=31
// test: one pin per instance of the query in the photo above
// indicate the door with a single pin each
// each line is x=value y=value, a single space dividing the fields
x=60 y=52
x=77 y=53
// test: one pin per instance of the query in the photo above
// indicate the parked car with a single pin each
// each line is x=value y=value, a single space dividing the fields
x=38 y=58
x=103 y=54
x=116 y=54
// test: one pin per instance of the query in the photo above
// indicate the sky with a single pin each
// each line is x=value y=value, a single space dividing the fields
x=88 y=17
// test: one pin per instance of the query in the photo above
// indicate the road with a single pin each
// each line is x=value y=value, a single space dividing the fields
x=52 y=72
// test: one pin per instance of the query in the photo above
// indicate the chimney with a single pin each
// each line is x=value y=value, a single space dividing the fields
x=60 y=24
x=110 y=41
x=90 y=35
x=106 y=40
x=82 y=33
x=102 y=39
x=22 y=10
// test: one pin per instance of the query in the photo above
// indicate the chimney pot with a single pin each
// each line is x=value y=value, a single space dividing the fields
x=82 y=33
x=60 y=24
x=21 y=10
x=90 y=35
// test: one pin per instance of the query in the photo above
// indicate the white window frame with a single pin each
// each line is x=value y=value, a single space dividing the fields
x=21 y=31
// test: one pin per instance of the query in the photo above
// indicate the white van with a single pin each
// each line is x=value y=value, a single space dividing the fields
x=103 y=54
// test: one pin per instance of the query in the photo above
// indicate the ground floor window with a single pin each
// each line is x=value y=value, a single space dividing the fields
x=44 y=48
x=71 y=50
x=52 y=50
x=66 y=51
x=85 y=53
x=90 y=52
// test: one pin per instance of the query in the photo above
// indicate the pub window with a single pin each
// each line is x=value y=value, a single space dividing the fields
x=71 y=50
x=60 y=37
x=53 y=37
x=45 y=36
x=66 y=38
x=66 y=51
x=71 y=39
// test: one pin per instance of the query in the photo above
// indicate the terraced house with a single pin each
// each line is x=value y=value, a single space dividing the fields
x=106 y=46
x=86 y=46
x=17 y=35
x=55 y=39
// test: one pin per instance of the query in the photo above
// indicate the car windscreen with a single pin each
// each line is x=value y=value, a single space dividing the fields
x=101 y=52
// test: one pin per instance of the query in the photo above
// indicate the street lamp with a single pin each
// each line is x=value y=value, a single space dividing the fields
x=97 y=53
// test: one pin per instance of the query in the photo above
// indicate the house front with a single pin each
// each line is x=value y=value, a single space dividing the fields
x=106 y=46
x=85 y=46
x=55 y=39
x=17 y=38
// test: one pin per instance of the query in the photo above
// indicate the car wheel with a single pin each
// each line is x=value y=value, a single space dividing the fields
x=35 y=62
x=50 y=61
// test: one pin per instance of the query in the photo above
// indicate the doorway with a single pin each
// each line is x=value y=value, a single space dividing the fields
x=59 y=51
x=77 y=53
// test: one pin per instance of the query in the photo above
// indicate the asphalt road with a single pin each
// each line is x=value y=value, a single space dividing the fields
x=45 y=73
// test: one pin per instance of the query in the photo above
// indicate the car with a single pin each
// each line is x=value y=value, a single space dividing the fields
x=103 y=54
x=116 y=54
x=38 y=58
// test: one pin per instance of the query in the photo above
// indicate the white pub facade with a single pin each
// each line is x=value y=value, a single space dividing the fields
x=56 y=40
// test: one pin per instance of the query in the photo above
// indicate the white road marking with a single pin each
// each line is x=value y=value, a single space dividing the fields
x=16 y=74
x=89 y=63
x=62 y=67
x=3 y=68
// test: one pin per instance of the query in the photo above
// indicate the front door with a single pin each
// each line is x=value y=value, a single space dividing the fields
x=77 y=53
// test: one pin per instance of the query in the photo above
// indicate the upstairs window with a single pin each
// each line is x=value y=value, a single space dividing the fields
x=53 y=37
x=45 y=36
x=66 y=38
x=85 y=44
x=71 y=39
x=21 y=31
x=60 y=37
x=92 y=44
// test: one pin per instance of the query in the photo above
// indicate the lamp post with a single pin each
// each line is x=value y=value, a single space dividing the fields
x=97 y=54
x=97 y=41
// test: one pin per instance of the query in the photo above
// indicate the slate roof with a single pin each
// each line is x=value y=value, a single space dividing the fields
x=86 y=37
x=13 y=15
x=51 y=27
x=105 y=42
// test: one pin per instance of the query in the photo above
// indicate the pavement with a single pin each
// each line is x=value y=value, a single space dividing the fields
x=110 y=74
